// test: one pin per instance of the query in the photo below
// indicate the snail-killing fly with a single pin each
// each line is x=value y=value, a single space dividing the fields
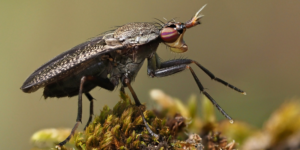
x=114 y=58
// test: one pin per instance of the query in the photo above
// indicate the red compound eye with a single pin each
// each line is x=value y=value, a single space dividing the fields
x=169 y=34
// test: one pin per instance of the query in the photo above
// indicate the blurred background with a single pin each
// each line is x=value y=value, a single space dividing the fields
x=252 y=44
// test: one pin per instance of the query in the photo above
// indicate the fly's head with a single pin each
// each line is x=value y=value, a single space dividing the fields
x=172 y=32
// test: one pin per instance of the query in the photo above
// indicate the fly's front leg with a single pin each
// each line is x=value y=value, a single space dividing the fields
x=212 y=76
x=177 y=65
x=153 y=64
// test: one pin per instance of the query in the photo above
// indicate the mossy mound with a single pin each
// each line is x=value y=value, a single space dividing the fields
x=122 y=128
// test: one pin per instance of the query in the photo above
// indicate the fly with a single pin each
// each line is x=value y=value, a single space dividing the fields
x=114 y=58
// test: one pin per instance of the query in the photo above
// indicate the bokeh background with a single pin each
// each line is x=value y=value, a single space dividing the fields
x=251 y=44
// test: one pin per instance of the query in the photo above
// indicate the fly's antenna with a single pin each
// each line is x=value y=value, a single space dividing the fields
x=195 y=20
x=197 y=13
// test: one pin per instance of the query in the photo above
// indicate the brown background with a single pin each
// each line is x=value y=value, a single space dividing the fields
x=251 y=44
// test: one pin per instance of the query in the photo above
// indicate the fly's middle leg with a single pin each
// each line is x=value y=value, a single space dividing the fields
x=138 y=103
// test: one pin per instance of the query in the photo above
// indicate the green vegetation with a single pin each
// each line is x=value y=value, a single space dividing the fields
x=179 y=127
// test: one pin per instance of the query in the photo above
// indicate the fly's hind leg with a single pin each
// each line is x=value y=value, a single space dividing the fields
x=79 y=114
x=90 y=98
x=102 y=82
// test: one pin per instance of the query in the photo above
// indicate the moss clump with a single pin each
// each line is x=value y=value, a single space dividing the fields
x=122 y=128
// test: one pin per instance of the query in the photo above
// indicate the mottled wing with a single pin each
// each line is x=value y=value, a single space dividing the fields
x=73 y=60
x=85 y=54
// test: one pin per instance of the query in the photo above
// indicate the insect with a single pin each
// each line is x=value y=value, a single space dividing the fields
x=114 y=58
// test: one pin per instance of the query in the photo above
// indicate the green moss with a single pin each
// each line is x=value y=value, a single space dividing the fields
x=122 y=128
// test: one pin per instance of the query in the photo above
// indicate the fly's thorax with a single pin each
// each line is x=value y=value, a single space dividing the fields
x=137 y=33
x=127 y=62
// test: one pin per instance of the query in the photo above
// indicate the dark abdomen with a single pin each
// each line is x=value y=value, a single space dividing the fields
x=70 y=86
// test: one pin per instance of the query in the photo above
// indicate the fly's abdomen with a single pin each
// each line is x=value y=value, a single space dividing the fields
x=70 y=86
